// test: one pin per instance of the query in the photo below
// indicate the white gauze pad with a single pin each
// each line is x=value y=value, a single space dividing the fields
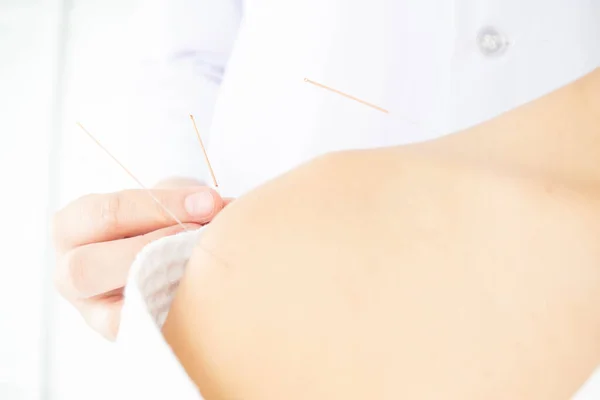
x=151 y=370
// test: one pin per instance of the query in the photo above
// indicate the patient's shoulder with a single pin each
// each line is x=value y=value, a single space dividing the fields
x=345 y=196
x=290 y=206
x=248 y=256
x=302 y=253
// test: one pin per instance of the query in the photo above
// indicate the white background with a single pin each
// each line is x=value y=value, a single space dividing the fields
x=29 y=50
x=61 y=61
x=57 y=58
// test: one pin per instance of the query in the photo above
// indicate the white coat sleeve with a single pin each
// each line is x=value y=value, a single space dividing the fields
x=179 y=54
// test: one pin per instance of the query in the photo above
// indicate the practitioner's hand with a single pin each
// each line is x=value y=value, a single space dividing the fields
x=97 y=237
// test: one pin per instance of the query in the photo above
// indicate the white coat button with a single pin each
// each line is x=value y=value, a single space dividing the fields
x=491 y=42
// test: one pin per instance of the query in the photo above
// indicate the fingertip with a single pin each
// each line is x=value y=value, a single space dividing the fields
x=204 y=203
x=201 y=205
x=220 y=202
x=105 y=319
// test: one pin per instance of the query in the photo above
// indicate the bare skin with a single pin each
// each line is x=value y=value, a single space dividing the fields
x=463 y=268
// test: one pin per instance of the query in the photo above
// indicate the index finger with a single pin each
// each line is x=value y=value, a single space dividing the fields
x=104 y=217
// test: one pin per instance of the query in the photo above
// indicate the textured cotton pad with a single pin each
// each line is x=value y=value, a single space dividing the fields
x=150 y=367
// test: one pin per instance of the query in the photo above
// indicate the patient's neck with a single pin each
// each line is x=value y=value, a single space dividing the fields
x=557 y=135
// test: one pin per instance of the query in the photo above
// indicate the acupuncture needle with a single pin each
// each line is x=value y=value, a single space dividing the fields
x=212 y=173
x=348 y=96
x=158 y=202
x=383 y=110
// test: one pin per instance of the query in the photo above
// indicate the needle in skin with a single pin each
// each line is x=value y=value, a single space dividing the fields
x=204 y=151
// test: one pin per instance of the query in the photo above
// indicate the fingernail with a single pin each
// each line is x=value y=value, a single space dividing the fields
x=200 y=204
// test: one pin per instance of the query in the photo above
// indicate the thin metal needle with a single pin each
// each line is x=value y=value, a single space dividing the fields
x=133 y=177
x=204 y=151
x=383 y=110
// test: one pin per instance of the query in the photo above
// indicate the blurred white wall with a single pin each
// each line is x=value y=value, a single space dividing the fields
x=60 y=61
x=30 y=44
x=81 y=365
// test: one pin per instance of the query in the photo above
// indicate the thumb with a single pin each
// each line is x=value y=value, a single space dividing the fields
x=197 y=205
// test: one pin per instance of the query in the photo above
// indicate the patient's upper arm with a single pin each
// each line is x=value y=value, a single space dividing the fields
x=326 y=283
x=242 y=308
